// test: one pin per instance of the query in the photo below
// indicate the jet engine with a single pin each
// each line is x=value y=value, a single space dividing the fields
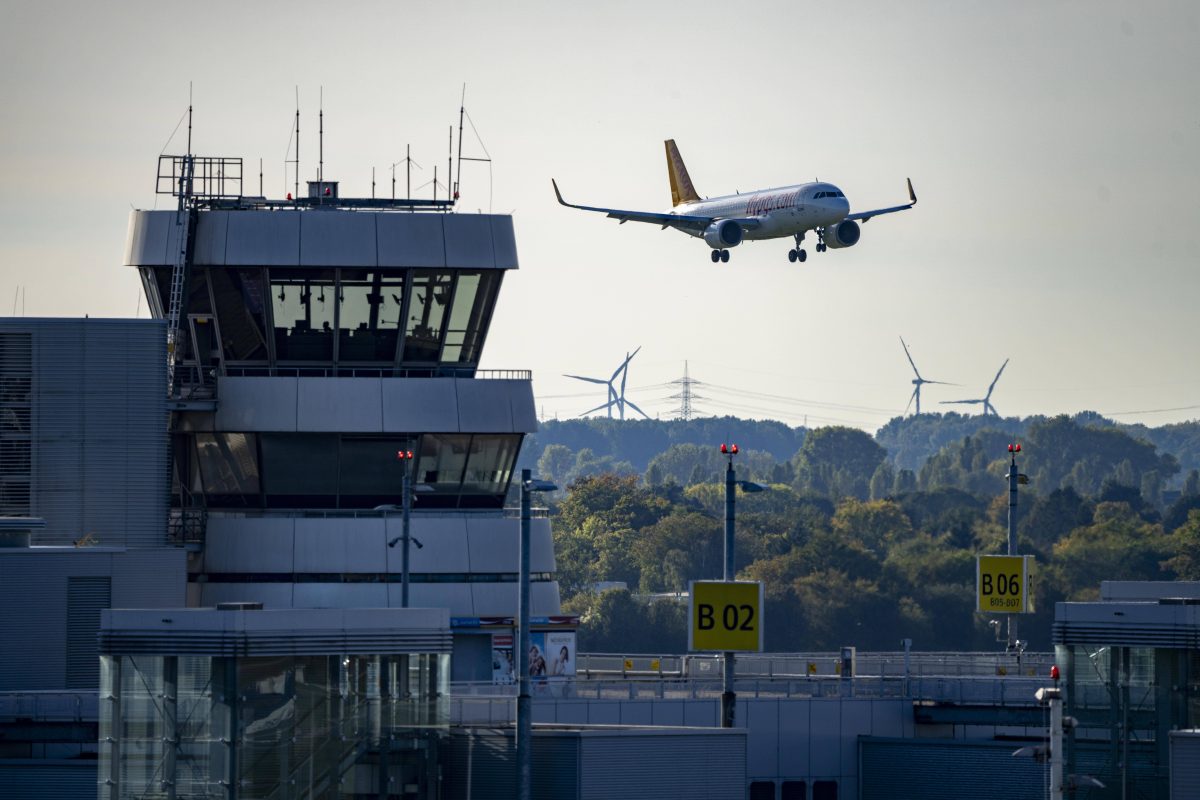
x=843 y=234
x=723 y=234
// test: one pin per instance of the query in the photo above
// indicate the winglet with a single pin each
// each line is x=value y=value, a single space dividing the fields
x=682 y=190
x=565 y=203
x=911 y=194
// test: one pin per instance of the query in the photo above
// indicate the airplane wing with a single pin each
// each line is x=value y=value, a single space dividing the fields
x=866 y=215
x=689 y=221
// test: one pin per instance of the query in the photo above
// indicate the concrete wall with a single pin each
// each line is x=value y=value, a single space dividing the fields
x=327 y=238
x=453 y=545
x=371 y=405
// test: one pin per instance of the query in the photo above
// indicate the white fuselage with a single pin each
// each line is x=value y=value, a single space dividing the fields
x=785 y=211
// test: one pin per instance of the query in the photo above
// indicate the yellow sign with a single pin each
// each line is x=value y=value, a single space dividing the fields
x=628 y=663
x=725 y=616
x=655 y=664
x=1003 y=584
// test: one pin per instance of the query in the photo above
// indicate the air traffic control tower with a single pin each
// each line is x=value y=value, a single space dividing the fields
x=312 y=341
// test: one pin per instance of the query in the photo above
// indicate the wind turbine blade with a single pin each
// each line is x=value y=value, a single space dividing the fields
x=589 y=380
x=635 y=408
x=993 y=386
x=911 y=397
x=600 y=407
x=910 y=361
x=968 y=402
x=943 y=383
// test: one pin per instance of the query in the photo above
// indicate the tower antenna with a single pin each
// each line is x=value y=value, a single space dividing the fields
x=462 y=110
x=189 y=150
x=296 y=188
x=320 y=139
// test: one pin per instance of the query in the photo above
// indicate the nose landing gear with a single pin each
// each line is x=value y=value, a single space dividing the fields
x=720 y=255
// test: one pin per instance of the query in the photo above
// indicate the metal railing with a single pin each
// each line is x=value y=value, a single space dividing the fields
x=329 y=371
x=890 y=664
x=485 y=703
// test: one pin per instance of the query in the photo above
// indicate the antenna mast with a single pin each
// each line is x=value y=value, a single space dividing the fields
x=462 y=110
x=321 y=138
x=189 y=150
x=450 y=165
x=296 y=188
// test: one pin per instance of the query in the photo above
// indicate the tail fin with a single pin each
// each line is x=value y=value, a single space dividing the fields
x=682 y=190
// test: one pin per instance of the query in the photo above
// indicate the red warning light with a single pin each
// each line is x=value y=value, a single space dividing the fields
x=1010 y=448
x=404 y=455
x=328 y=191
x=724 y=449
x=1018 y=448
x=735 y=449
x=1054 y=672
x=289 y=196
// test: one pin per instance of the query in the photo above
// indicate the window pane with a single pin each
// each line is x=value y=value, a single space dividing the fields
x=300 y=469
x=762 y=790
x=490 y=464
x=443 y=457
x=369 y=315
x=481 y=310
x=302 y=302
x=427 y=307
x=825 y=790
x=228 y=464
x=240 y=313
x=371 y=474
x=456 y=329
x=794 y=790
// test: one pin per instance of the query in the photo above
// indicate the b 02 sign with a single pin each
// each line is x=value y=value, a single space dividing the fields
x=725 y=616
x=1003 y=584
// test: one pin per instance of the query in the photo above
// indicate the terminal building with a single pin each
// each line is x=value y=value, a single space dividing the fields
x=261 y=545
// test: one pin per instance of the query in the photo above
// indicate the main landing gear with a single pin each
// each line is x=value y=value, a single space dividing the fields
x=797 y=253
x=720 y=255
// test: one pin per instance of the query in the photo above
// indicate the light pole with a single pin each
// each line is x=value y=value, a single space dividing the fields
x=405 y=457
x=728 y=696
x=1014 y=478
x=524 y=699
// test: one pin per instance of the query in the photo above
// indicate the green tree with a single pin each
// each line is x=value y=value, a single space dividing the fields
x=1185 y=546
x=838 y=461
x=556 y=464
x=882 y=481
x=1118 y=545
x=874 y=525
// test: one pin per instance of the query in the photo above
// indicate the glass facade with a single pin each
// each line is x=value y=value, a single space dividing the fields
x=310 y=321
x=280 y=727
x=1127 y=700
x=351 y=471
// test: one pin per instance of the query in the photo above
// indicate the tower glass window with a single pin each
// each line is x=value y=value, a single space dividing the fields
x=426 y=311
x=369 y=308
x=302 y=302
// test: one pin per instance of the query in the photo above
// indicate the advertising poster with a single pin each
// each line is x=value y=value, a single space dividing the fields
x=503 y=669
x=560 y=654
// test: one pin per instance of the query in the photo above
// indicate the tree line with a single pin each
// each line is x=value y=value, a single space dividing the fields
x=854 y=547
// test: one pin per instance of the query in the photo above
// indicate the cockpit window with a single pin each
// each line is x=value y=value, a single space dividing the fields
x=819 y=195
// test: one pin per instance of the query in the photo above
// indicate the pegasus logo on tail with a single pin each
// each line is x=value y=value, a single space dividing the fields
x=682 y=190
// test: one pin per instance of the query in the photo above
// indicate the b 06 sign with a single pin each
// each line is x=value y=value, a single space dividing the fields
x=1003 y=584
x=725 y=616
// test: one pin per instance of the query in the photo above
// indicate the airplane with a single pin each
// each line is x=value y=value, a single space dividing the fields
x=725 y=222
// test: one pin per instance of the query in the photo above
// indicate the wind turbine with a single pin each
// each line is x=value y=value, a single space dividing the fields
x=986 y=400
x=918 y=382
x=615 y=398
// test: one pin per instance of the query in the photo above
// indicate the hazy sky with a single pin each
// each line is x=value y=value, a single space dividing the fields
x=1054 y=148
